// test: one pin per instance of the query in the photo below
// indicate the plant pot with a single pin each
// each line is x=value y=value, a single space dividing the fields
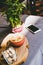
x=17 y=29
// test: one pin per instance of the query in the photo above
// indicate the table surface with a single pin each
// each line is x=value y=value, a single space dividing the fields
x=35 y=41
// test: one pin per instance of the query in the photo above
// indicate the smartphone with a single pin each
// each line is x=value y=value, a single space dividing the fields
x=33 y=29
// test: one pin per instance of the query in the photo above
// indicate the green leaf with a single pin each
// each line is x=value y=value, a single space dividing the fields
x=13 y=11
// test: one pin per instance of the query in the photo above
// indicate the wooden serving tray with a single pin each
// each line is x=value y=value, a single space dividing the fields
x=22 y=54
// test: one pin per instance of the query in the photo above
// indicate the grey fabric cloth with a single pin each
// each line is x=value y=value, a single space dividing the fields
x=36 y=46
x=3 y=23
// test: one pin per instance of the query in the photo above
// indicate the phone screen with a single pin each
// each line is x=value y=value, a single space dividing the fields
x=33 y=28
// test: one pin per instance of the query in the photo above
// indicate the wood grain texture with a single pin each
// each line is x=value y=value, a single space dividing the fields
x=22 y=54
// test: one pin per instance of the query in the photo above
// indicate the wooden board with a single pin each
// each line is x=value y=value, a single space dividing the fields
x=22 y=54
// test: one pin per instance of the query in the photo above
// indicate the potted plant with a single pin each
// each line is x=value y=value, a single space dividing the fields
x=13 y=11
